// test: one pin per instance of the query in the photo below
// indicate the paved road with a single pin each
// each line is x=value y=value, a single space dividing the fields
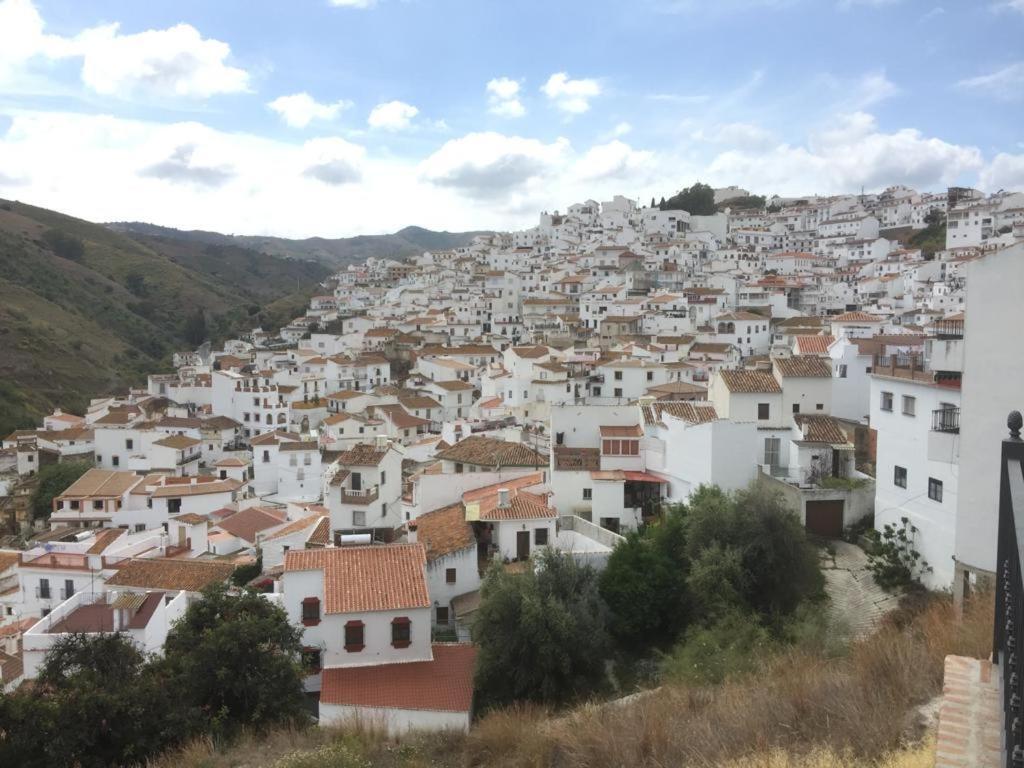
x=858 y=603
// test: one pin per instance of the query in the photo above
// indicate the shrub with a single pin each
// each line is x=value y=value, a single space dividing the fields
x=64 y=245
x=54 y=479
x=735 y=644
x=895 y=561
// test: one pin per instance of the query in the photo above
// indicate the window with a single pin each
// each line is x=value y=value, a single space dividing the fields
x=97 y=504
x=401 y=632
x=886 y=401
x=934 y=489
x=266 y=457
x=588 y=494
x=796 y=407
x=650 y=375
x=311 y=660
x=618 y=375
x=129 y=444
x=44 y=589
x=359 y=518
x=311 y=611
x=449 y=576
x=909 y=405
x=441 y=613
x=819 y=406
x=354 y=636
x=69 y=585
x=383 y=477
x=764 y=411
x=618 y=392
x=74 y=503
x=899 y=476
x=540 y=536
x=139 y=527
x=771 y=451
x=116 y=461
x=841 y=371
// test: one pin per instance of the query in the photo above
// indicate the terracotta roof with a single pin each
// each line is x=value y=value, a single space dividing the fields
x=321 y=535
x=400 y=417
x=522 y=505
x=272 y=438
x=104 y=539
x=444 y=531
x=191 y=518
x=750 y=381
x=249 y=522
x=361 y=579
x=196 y=489
x=442 y=685
x=297 y=525
x=177 y=442
x=453 y=386
x=362 y=455
x=8 y=559
x=619 y=431
x=691 y=413
x=101 y=482
x=190 y=575
x=804 y=367
x=530 y=352
x=818 y=428
x=856 y=317
x=301 y=445
x=814 y=345
x=488 y=451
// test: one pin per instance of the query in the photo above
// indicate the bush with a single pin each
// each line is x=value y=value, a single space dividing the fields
x=734 y=644
x=542 y=635
x=64 y=245
x=895 y=561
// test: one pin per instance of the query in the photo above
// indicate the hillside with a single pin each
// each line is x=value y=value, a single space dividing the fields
x=338 y=252
x=86 y=311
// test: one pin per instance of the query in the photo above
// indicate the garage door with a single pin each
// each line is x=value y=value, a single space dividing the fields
x=825 y=518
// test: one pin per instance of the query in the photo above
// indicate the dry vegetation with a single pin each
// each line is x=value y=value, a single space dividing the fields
x=801 y=710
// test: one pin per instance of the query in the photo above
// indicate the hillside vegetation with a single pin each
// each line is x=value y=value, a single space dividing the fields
x=336 y=252
x=85 y=311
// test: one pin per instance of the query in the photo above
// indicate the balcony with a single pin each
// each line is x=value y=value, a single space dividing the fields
x=365 y=496
x=946 y=420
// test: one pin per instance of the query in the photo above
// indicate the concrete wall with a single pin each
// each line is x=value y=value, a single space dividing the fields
x=394 y=721
x=993 y=372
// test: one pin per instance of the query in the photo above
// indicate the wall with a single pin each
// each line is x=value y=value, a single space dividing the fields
x=394 y=721
x=993 y=372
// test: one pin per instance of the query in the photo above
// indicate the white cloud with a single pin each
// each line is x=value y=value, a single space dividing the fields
x=392 y=116
x=1006 y=83
x=1009 y=5
x=850 y=153
x=873 y=88
x=300 y=109
x=571 y=96
x=361 y=4
x=736 y=135
x=614 y=160
x=177 y=61
x=622 y=129
x=503 y=98
x=492 y=165
x=334 y=161
x=1004 y=172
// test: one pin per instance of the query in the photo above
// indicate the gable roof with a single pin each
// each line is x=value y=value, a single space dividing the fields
x=444 y=531
x=803 y=367
x=818 y=428
x=249 y=522
x=362 y=579
x=814 y=345
x=444 y=684
x=751 y=382
x=189 y=575
x=491 y=452
x=101 y=482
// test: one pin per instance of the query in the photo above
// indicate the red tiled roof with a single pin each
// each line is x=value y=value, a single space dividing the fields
x=249 y=522
x=374 y=578
x=442 y=685
x=814 y=345
x=444 y=531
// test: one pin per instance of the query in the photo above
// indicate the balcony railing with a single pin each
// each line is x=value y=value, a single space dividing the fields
x=946 y=420
x=365 y=496
x=1009 y=613
x=949 y=329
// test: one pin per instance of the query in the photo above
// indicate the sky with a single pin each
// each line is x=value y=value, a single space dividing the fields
x=342 y=117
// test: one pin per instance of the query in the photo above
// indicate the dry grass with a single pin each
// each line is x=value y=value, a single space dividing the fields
x=799 y=711
x=859 y=707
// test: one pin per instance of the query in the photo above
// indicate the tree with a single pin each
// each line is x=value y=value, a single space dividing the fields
x=645 y=587
x=136 y=283
x=541 y=635
x=896 y=561
x=236 y=659
x=935 y=217
x=54 y=479
x=64 y=245
x=779 y=567
x=698 y=200
x=195 y=328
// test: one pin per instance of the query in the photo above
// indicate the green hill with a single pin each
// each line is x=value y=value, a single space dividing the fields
x=336 y=252
x=86 y=311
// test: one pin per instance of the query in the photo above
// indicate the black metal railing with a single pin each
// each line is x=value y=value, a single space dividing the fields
x=1009 y=613
x=946 y=420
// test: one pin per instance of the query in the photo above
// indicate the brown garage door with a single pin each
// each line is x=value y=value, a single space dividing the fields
x=825 y=518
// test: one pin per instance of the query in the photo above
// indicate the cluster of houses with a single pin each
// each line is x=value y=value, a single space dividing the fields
x=554 y=387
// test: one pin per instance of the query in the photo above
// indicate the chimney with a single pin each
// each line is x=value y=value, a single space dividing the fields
x=503 y=498
x=382 y=442
x=411 y=528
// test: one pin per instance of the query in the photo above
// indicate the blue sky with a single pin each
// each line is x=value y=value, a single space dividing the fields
x=333 y=118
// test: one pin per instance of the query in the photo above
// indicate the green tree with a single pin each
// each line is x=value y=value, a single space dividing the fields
x=541 y=635
x=698 y=200
x=195 y=332
x=54 y=479
x=136 y=283
x=779 y=567
x=236 y=658
x=645 y=586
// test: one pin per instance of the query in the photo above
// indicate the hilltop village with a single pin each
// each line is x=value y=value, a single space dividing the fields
x=553 y=387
